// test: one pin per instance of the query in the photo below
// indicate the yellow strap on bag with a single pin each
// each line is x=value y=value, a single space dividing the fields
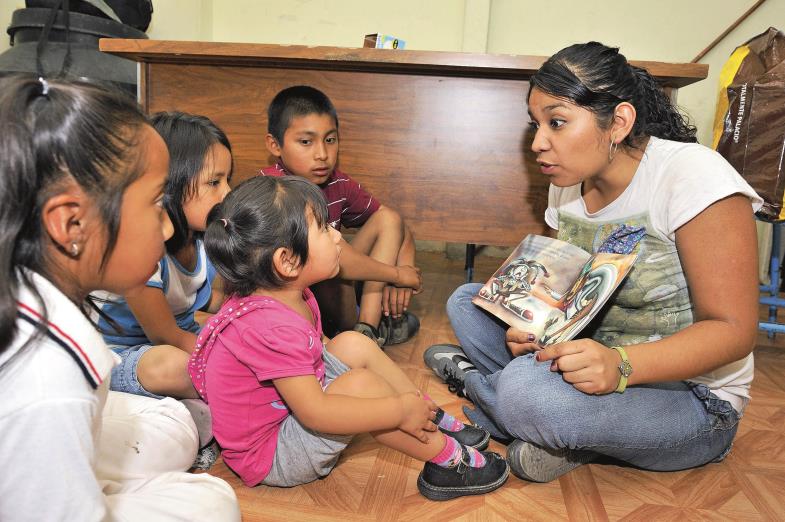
x=727 y=74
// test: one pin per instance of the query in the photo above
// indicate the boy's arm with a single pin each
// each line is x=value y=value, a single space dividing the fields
x=395 y=301
x=356 y=266
x=150 y=308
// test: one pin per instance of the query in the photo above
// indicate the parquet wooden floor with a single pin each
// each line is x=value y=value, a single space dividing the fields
x=374 y=483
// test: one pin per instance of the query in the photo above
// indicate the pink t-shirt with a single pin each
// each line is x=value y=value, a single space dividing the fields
x=248 y=343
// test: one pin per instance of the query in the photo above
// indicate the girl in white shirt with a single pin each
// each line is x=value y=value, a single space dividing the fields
x=80 y=210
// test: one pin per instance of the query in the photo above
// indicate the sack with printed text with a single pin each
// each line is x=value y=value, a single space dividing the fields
x=749 y=126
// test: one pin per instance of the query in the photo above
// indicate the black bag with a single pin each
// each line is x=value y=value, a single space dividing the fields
x=136 y=13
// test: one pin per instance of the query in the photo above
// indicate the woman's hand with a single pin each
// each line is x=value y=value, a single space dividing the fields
x=408 y=277
x=520 y=342
x=418 y=415
x=586 y=364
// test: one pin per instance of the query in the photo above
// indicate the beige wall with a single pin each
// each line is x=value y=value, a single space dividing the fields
x=700 y=99
x=674 y=30
x=6 y=8
x=434 y=25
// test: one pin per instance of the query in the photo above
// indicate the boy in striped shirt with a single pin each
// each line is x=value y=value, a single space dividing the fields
x=303 y=136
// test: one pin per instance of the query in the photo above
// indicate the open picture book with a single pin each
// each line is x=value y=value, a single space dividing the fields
x=551 y=288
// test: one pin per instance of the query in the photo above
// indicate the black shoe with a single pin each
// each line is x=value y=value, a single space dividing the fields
x=450 y=363
x=439 y=483
x=470 y=435
x=400 y=330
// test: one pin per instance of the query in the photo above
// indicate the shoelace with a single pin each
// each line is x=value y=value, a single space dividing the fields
x=454 y=383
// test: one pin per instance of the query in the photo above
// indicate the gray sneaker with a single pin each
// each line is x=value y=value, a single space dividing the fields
x=207 y=456
x=370 y=332
x=400 y=330
x=450 y=363
x=536 y=464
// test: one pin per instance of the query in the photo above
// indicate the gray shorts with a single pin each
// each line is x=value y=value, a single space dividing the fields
x=303 y=455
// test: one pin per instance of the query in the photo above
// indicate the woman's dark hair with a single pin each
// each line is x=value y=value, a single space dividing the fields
x=189 y=138
x=258 y=217
x=300 y=100
x=598 y=78
x=53 y=131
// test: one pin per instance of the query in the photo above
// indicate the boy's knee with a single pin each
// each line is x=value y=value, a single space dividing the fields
x=387 y=219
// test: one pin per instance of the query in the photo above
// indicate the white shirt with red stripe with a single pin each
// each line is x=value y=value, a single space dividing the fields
x=52 y=392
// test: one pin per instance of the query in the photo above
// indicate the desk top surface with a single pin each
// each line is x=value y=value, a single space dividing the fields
x=365 y=59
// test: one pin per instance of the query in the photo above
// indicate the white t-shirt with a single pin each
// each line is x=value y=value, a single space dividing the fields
x=53 y=391
x=673 y=184
x=186 y=292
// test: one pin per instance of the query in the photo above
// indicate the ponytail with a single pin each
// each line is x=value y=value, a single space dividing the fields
x=656 y=114
x=258 y=217
x=598 y=78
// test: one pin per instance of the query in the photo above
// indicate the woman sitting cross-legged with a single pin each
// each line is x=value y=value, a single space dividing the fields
x=662 y=375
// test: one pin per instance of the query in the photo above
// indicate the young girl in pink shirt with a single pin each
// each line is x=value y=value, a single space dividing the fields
x=286 y=400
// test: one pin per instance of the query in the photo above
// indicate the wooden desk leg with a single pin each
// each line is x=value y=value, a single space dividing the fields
x=469 y=267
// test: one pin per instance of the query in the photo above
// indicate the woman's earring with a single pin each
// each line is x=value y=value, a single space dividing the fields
x=74 y=249
x=612 y=148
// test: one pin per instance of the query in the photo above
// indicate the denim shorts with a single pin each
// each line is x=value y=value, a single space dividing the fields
x=303 y=455
x=124 y=378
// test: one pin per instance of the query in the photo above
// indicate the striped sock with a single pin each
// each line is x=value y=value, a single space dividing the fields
x=448 y=422
x=452 y=453
x=444 y=420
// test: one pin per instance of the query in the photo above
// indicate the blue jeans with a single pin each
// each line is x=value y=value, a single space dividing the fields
x=124 y=377
x=663 y=426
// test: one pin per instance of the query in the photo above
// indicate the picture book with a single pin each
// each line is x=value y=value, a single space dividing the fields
x=551 y=288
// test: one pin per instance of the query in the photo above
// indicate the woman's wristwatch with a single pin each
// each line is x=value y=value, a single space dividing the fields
x=625 y=370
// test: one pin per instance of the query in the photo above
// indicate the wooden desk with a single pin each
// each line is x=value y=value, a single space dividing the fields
x=442 y=137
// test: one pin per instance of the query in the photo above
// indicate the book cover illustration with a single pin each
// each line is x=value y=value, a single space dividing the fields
x=551 y=288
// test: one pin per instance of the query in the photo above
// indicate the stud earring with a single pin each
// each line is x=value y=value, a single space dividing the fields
x=74 y=249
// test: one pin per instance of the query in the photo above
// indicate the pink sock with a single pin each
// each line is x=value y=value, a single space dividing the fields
x=452 y=453
x=447 y=422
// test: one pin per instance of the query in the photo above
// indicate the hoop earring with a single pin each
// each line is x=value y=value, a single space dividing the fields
x=74 y=249
x=612 y=148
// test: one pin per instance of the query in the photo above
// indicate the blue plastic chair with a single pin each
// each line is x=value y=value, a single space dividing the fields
x=770 y=293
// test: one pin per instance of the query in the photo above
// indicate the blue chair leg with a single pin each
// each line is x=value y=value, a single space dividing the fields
x=773 y=300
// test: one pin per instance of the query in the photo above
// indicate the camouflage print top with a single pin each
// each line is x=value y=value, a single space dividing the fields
x=674 y=183
x=653 y=301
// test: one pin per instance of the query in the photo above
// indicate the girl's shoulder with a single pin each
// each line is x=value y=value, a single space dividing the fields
x=56 y=340
x=261 y=310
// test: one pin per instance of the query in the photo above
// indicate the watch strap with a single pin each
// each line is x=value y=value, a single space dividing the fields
x=624 y=370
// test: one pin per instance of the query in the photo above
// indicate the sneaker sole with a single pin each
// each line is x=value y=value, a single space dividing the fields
x=432 y=492
x=544 y=468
